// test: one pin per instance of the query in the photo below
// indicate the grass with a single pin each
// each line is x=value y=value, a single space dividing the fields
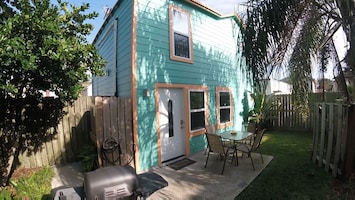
x=33 y=185
x=291 y=174
x=37 y=185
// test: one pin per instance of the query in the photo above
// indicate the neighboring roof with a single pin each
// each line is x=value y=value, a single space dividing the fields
x=195 y=3
x=286 y=80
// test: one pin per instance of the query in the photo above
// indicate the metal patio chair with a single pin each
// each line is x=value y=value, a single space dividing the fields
x=216 y=146
x=254 y=147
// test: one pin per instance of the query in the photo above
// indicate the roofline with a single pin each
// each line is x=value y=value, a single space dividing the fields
x=115 y=7
x=236 y=16
x=204 y=7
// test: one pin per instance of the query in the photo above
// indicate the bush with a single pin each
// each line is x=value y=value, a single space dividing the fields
x=29 y=184
x=88 y=156
x=35 y=186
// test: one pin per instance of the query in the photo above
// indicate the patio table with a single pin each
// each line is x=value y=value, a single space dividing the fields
x=241 y=135
x=235 y=138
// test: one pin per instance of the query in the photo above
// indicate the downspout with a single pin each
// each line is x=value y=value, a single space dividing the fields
x=115 y=33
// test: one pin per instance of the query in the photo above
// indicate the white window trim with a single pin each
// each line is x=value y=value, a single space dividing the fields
x=172 y=43
x=219 y=107
x=196 y=110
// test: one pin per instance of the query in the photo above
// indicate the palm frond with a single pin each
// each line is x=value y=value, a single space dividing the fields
x=300 y=64
x=270 y=31
x=289 y=33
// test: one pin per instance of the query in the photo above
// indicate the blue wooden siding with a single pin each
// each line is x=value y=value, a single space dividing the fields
x=218 y=62
x=106 y=86
x=197 y=143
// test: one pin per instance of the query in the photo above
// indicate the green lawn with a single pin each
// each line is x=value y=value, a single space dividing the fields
x=291 y=174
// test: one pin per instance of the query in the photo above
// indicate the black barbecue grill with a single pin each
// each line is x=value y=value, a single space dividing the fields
x=113 y=182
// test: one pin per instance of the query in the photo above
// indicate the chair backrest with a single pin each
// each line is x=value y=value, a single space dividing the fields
x=251 y=127
x=215 y=143
x=210 y=128
x=257 y=140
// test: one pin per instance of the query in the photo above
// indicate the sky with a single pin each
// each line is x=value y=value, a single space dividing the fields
x=95 y=6
x=222 y=6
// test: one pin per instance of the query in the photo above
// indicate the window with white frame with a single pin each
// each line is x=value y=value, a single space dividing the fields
x=224 y=106
x=197 y=109
x=180 y=35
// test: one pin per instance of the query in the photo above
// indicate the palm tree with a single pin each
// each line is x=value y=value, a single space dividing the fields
x=289 y=33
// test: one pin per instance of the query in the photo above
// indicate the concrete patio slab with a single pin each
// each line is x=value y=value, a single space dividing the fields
x=191 y=182
x=68 y=175
x=197 y=182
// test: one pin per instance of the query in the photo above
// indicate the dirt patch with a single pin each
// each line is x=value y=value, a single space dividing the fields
x=24 y=172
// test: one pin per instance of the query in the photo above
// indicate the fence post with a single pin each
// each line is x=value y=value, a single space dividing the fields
x=350 y=144
x=99 y=128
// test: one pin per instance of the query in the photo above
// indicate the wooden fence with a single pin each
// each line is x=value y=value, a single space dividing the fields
x=284 y=116
x=330 y=135
x=90 y=119
x=113 y=120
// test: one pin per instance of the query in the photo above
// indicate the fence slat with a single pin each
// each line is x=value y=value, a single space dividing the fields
x=122 y=129
x=78 y=130
x=25 y=162
x=56 y=148
x=345 y=127
x=114 y=118
x=106 y=117
x=67 y=135
x=338 y=139
x=322 y=135
x=316 y=132
x=73 y=132
x=61 y=138
x=49 y=146
x=330 y=137
x=128 y=129
x=99 y=127
x=114 y=127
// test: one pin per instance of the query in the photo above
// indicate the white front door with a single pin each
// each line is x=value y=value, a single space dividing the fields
x=172 y=124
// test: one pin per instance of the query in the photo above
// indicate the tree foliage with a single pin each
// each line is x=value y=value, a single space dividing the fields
x=42 y=47
x=290 y=33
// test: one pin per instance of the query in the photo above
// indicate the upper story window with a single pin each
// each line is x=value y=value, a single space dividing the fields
x=224 y=107
x=180 y=35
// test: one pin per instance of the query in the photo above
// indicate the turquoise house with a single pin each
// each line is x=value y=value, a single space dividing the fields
x=183 y=66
